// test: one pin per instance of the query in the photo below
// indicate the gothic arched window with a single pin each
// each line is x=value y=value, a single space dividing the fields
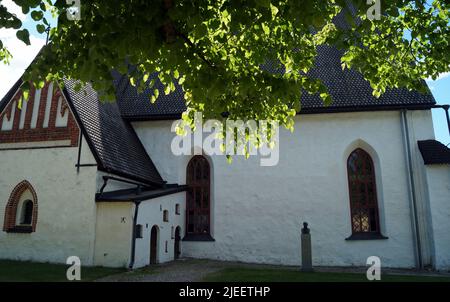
x=363 y=194
x=21 y=210
x=198 y=197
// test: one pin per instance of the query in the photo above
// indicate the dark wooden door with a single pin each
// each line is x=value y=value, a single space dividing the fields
x=177 y=251
x=153 y=244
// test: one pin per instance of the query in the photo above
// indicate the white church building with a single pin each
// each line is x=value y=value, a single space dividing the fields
x=79 y=177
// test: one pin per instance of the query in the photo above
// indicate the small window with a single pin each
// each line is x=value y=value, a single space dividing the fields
x=177 y=209
x=166 y=216
x=21 y=212
x=26 y=216
x=167 y=250
x=139 y=231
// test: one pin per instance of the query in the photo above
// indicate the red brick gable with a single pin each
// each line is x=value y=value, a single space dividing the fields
x=38 y=123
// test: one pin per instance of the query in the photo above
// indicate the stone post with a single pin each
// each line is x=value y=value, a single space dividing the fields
x=306 y=249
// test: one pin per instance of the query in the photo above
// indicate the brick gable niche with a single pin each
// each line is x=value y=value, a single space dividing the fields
x=44 y=121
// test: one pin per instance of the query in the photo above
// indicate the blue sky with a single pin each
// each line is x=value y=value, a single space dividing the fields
x=441 y=92
x=23 y=55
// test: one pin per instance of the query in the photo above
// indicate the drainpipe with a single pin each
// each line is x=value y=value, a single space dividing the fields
x=133 y=240
x=411 y=189
x=80 y=141
x=79 y=164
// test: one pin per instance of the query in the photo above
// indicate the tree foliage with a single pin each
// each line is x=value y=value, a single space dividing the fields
x=216 y=49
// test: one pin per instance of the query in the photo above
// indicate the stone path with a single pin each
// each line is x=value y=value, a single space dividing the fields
x=182 y=270
x=194 y=270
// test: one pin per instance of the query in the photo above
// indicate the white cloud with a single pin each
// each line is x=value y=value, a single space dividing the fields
x=22 y=57
x=14 y=9
x=440 y=77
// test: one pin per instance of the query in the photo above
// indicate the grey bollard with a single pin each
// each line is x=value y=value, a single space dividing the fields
x=306 y=249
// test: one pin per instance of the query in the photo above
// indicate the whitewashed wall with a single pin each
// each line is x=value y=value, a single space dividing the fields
x=257 y=211
x=438 y=177
x=150 y=214
x=115 y=227
x=113 y=234
x=66 y=207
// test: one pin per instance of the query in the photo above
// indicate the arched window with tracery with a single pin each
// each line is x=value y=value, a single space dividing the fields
x=363 y=194
x=198 y=197
x=21 y=210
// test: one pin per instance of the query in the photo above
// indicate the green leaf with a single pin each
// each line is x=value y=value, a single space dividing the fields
x=25 y=95
x=37 y=15
x=274 y=10
x=265 y=28
x=40 y=28
x=25 y=9
x=24 y=36
x=167 y=90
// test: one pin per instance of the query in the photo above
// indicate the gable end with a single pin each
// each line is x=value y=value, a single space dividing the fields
x=44 y=120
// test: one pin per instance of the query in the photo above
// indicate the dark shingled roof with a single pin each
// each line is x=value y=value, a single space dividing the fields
x=348 y=88
x=136 y=195
x=135 y=106
x=114 y=143
x=434 y=152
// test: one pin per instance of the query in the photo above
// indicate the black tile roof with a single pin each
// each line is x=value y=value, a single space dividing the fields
x=113 y=141
x=434 y=152
x=135 y=106
x=135 y=195
x=348 y=88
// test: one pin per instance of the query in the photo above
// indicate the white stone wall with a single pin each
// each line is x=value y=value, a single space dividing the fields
x=113 y=234
x=112 y=185
x=66 y=207
x=438 y=178
x=115 y=227
x=150 y=214
x=257 y=211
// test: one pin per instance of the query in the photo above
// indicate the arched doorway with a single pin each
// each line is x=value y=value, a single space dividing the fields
x=177 y=250
x=154 y=245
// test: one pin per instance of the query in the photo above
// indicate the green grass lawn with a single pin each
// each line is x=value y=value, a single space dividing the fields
x=44 y=272
x=285 y=275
